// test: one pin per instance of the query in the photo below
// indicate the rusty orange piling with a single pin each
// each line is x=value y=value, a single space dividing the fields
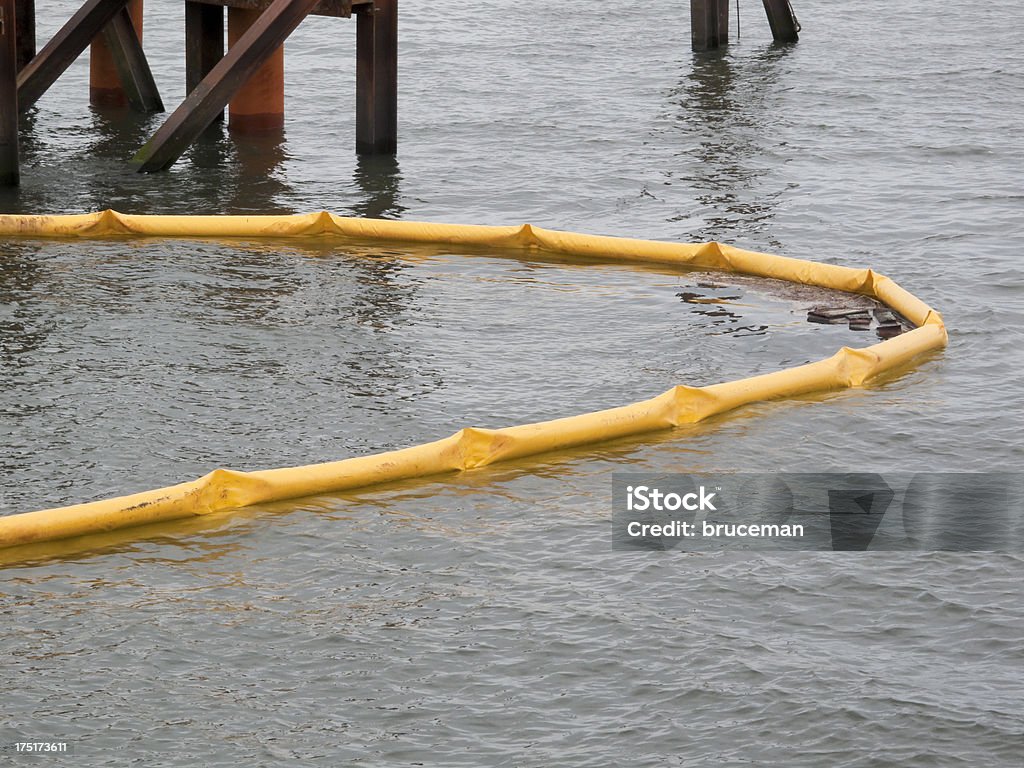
x=258 y=105
x=105 y=89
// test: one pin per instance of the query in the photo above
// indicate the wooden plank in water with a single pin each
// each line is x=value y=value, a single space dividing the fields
x=210 y=97
x=130 y=62
x=782 y=20
x=66 y=46
x=377 y=78
x=9 y=176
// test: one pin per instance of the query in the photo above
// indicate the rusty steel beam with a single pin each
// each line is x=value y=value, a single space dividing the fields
x=209 y=98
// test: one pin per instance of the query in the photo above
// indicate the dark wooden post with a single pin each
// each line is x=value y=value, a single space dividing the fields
x=204 y=41
x=377 y=78
x=782 y=20
x=9 y=176
x=705 y=23
x=25 y=11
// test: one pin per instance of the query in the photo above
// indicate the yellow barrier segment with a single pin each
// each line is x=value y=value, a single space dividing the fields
x=469 y=448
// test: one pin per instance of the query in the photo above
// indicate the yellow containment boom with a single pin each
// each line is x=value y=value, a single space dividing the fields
x=469 y=448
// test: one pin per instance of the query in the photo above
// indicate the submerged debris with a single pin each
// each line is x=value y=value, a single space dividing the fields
x=856 y=311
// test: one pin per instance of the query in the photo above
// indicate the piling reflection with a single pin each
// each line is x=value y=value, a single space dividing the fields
x=87 y=168
x=727 y=111
x=261 y=185
x=378 y=178
x=117 y=129
x=236 y=174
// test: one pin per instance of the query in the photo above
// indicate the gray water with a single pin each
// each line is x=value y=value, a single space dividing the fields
x=483 y=619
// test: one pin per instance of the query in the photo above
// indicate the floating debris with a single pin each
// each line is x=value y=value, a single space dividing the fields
x=889 y=330
x=860 y=323
x=839 y=315
x=885 y=316
x=813 y=317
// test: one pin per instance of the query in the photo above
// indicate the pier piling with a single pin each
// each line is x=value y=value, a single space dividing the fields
x=136 y=80
x=709 y=24
x=782 y=20
x=65 y=46
x=258 y=105
x=377 y=78
x=104 y=81
x=212 y=94
x=204 y=43
x=25 y=26
x=9 y=175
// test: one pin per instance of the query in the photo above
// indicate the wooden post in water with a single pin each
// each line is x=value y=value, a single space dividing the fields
x=377 y=78
x=9 y=176
x=204 y=43
x=709 y=23
x=258 y=106
x=104 y=82
x=782 y=20
x=25 y=12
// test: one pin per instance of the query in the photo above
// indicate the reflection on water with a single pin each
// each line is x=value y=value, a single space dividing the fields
x=85 y=166
x=261 y=181
x=727 y=107
x=378 y=178
x=116 y=131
